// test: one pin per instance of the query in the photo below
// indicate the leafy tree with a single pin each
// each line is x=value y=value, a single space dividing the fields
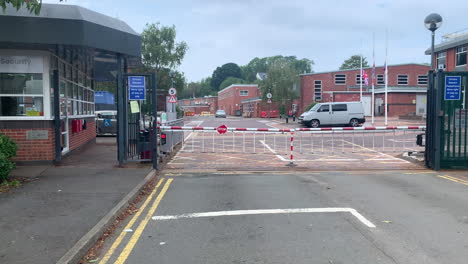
x=354 y=62
x=223 y=72
x=230 y=81
x=34 y=6
x=159 y=48
x=281 y=80
x=249 y=71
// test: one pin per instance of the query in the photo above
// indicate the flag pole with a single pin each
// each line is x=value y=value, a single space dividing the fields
x=386 y=77
x=360 y=82
x=373 y=59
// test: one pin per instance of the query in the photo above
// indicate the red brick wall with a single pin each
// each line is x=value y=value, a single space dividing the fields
x=32 y=149
x=328 y=81
x=230 y=100
x=80 y=138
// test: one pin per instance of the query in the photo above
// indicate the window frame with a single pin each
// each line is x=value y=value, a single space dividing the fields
x=245 y=94
x=340 y=79
x=457 y=53
x=318 y=87
x=358 y=77
x=440 y=57
x=382 y=81
x=401 y=75
x=339 y=110
x=46 y=95
x=424 y=83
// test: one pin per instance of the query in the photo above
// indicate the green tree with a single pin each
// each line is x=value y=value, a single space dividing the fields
x=159 y=49
x=34 y=6
x=223 y=72
x=281 y=81
x=230 y=81
x=354 y=62
x=256 y=65
x=161 y=54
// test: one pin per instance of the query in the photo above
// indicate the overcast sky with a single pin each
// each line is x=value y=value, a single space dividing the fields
x=325 y=31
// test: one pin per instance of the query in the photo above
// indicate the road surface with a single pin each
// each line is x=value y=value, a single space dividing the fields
x=247 y=215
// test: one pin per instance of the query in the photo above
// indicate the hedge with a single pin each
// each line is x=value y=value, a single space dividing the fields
x=7 y=151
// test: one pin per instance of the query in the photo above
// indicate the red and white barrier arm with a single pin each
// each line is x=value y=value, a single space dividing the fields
x=234 y=129
x=363 y=128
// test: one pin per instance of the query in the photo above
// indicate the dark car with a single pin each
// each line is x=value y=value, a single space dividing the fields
x=220 y=113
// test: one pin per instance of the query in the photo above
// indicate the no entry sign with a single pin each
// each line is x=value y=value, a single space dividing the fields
x=222 y=129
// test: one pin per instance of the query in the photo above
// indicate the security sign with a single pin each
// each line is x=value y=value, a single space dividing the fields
x=269 y=95
x=172 y=91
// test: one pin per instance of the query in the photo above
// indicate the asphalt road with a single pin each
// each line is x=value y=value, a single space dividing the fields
x=297 y=216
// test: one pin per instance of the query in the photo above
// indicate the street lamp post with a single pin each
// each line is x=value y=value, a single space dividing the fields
x=433 y=22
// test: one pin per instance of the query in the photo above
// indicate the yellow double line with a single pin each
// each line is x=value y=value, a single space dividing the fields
x=136 y=235
x=454 y=179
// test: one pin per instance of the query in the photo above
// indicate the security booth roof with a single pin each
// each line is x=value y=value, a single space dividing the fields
x=68 y=25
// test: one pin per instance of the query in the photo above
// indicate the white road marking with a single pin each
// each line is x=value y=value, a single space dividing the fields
x=381 y=153
x=355 y=213
x=273 y=151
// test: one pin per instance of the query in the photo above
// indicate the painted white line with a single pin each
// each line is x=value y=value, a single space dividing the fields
x=336 y=160
x=273 y=151
x=381 y=153
x=355 y=213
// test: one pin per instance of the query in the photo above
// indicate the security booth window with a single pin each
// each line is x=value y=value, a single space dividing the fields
x=21 y=94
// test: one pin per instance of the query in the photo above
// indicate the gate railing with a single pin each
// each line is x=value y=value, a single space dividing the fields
x=284 y=142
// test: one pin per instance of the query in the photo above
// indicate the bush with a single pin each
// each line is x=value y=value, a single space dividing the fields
x=7 y=151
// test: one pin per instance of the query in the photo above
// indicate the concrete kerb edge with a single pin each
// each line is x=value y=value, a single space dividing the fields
x=81 y=247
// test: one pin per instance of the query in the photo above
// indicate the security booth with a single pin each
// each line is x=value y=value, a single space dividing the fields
x=447 y=121
x=49 y=66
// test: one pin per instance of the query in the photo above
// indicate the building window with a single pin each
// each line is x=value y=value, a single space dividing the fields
x=318 y=90
x=441 y=60
x=380 y=79
x=422 y=79
x=244 y=93
x=461 y=56
x=340 y=79
x=21 y=94
x=339 y=107
x=358 y=80
x=402 y=79
x=76 y=94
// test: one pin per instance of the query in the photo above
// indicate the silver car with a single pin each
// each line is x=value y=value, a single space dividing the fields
x=106 y=122
x=220 y=113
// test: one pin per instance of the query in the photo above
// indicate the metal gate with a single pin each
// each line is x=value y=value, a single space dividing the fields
x=137 y=121
x=447 y=121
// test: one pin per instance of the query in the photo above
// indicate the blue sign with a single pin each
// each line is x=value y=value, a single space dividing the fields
x=107 y=123
x=136 y=88
x=452 y=87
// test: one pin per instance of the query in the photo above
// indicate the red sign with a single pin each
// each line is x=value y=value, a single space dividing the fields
x=172 y=99
x=269 y=101
x=222 y=129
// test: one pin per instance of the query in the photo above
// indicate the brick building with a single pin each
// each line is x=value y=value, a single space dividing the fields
x=451 y=54
x=407 y=87
x=47 y=80
x=229 y=99
x=200 y=104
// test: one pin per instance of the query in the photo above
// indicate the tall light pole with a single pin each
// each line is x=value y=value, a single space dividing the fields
x=433 y=22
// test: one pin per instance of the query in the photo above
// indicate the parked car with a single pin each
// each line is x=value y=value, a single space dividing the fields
x=337 y=113
x=220 y=113
x=106 y=122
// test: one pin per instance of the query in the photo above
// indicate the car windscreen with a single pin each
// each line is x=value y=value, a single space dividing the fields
x=315 y=107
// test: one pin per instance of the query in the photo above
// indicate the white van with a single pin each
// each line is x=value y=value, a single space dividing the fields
x=337 y=113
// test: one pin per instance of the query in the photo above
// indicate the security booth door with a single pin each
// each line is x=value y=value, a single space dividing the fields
x=339 y=114
x=324 y=114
